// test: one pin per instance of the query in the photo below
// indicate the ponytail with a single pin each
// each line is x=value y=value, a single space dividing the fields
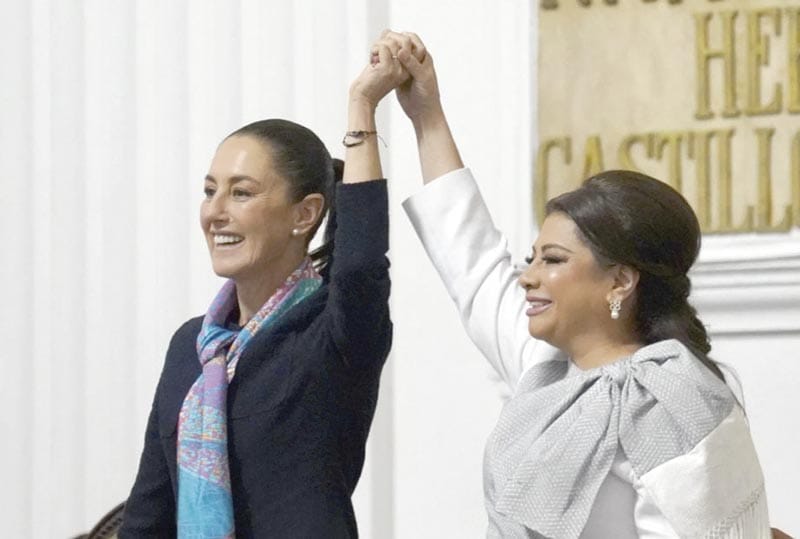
x=323 y=255
x=664 y=312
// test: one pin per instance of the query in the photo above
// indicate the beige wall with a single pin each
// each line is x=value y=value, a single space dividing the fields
x=704 y=95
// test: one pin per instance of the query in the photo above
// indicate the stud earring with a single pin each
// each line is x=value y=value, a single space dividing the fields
x=295 y=232
x=614 y=306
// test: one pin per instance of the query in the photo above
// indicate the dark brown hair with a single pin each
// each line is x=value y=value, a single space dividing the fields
x=629 y=218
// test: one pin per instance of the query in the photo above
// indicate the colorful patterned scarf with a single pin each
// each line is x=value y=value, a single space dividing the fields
x=205 y=503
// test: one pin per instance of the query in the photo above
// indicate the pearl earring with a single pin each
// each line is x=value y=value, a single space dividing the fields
x=614 y=306
x=295 y=232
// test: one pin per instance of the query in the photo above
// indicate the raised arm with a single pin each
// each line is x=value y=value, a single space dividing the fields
x=359 y=285
x=419 y=97
x=472 y=258
x=455 y=227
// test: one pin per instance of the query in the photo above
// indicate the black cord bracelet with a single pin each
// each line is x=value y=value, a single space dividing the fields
x=354 y=138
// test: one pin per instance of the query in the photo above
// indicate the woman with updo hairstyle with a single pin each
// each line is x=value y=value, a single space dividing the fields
x=619 y=425
x=632 y=219
x=261 y=414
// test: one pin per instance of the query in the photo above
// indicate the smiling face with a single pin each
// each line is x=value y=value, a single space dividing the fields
x=246 y=216
x=566 y=288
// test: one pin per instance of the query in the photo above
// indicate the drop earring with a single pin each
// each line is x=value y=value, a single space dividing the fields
x=614 y=306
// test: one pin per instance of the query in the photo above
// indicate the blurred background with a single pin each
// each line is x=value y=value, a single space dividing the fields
x=110 y=112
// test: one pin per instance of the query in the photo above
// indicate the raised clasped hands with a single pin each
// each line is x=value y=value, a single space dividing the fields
x=399 y=61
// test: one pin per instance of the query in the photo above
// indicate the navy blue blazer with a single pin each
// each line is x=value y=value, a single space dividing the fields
x=301 y=403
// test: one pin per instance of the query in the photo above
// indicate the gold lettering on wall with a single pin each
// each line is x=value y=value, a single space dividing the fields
x=793 y=59
x=758 y=56
x=764 y=202
x=712 y=189
x=795 y=177
x=671 y=142
x=699 y=150
x=764 y=205
x=738 y=176
x=624 y=153
x=593 y=157
x=724 y=184
x=553 y=4
x=704 y=54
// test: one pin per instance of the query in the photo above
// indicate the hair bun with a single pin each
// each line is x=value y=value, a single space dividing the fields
x=681 y=285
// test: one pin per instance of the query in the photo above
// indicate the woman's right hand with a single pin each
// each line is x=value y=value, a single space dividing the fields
x=419 y=94
x=419 y=97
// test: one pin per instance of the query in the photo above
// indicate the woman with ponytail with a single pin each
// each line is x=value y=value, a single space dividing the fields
x=262 y=412
x=619 y=425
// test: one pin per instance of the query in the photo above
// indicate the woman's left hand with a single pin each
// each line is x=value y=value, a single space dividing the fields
x=383 y=74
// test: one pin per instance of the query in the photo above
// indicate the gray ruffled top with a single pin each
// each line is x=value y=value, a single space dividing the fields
x=556 y=438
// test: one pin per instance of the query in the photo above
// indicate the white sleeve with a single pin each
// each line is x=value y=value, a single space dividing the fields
x=472 y=258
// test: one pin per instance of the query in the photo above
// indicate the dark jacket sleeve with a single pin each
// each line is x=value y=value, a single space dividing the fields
x=359 y=276
x=150 y=509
